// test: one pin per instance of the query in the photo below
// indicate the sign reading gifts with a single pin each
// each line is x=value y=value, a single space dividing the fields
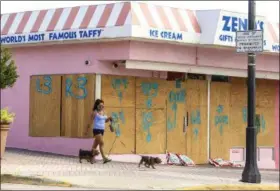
x=52 y=36
x=231 y=22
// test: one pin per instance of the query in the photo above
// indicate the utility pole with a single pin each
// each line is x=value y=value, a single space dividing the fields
x=251 y=172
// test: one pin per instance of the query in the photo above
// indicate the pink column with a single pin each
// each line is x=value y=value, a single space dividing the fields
x=276 y=150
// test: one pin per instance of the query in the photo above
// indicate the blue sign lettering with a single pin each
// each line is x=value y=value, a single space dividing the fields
x=233 y=24
x=166 y=35
x=90 y=33
x=13 y=39
x=226 y=38
x=36 y=37
x=276 y=48
x=51 y=36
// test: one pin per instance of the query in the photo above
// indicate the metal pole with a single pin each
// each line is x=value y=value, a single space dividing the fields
x=251 y=172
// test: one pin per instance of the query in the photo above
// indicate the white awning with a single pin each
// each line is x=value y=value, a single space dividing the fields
x=160 y=66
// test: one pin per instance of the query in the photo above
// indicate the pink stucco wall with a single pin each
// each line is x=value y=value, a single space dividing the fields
x=213 y=57
x=56 y=60
x=68 y=59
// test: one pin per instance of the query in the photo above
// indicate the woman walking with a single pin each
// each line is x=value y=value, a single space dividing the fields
x=99 y=119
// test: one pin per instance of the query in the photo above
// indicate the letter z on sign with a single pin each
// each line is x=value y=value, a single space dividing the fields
x=249 y=41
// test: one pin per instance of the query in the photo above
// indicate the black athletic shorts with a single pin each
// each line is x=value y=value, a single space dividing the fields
x=98 y=132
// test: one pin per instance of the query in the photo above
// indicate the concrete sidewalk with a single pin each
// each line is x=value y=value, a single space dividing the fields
x=116 y=175
x=34 y=187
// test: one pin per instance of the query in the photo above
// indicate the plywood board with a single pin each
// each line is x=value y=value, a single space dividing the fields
x=150 y=93
x=176 y=112
x=77 y=104
x=220 y=136
x=238 y=96
x=196 y=106
x=238 y=124
x=265 y=93
x=196 y=93
x=122 y=141
x=150 y=131
x=266 y=134
x=45 y=104
x=196 y=135
x=118 y=91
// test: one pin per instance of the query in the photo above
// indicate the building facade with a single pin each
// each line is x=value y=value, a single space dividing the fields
x=170 y=78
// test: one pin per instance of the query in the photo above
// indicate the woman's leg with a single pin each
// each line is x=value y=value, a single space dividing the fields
x=95 y=143
x=94 y=147
x=101 y=147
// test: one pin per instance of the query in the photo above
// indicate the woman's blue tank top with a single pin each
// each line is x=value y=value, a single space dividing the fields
x=99 y=121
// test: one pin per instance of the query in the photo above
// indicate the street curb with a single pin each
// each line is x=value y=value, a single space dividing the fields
x=232 y=187
x=28 y=180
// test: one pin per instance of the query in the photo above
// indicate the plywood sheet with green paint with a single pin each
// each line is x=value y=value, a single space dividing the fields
x=77 y=103
x=45 y=95
x=118 y=91
x=196 y=135
x=266 y=126
x=124 y=133
x=264 y=122
x=150 y=93
x=220 y=142
x=176 y=111
x=150 y=131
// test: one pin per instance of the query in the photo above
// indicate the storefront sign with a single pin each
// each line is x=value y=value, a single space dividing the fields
x=249 y=41
x=52 y=36
x=160 y=34
x=231 y=24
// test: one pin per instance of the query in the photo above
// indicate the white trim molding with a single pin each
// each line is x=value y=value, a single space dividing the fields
x=208 y=114
x=163 y=66
x=98 y=86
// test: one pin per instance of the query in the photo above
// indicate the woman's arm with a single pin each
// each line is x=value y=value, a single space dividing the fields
x=108 y=119
x=91 y=118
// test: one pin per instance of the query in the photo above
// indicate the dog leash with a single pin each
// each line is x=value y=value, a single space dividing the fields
x=114 y=144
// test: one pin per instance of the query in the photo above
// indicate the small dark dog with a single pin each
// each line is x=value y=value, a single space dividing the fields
x=88 y=155
x=149 y=161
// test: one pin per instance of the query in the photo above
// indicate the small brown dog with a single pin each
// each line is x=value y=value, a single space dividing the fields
x=88 y=155
x=149 y=161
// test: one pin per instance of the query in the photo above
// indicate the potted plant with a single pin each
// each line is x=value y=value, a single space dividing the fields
x=8 y=77
x=6 y=119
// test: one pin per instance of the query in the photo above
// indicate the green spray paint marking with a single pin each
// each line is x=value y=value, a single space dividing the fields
x=195 y=132
x=147 y=123
x=195 y=117
x=260 y=122
x=117 y=84
x=174 y=98
x=195 y=120
x=118 y=117
x=220 y=120
x=150 y=90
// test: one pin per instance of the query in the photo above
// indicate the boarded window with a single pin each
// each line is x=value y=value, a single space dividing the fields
x=45 y=105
